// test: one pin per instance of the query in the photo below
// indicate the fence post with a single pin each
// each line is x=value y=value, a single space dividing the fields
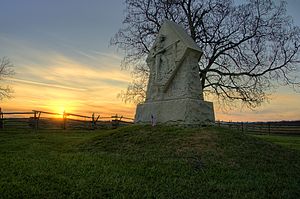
x=64 y=120
x=115 y=122
x=38 y=120
x=37 y=115
x=269 y=128
x=35 y=120
x=93 y=121
x=242 y=127
x=1 y=119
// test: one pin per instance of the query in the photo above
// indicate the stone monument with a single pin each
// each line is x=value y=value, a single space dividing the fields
x=174 y=92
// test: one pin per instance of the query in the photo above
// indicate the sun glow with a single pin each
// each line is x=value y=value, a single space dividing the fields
x=60 y=110
x=61 y=106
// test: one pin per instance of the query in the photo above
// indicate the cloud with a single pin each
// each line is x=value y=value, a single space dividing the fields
x=53 y=81
x=45 y=84
x=66 y=71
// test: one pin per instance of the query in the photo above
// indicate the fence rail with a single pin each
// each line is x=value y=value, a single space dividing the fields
x=284 y=127
x=37 y=119
x=34 y=120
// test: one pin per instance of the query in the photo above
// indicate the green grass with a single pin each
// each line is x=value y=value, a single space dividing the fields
x=292 y=142
x=146 y=162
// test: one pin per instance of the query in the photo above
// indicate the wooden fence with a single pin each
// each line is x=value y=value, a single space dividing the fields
x=284 y=127
x=37 y=119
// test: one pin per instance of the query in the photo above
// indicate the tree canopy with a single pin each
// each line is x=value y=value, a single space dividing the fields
x=247 y=47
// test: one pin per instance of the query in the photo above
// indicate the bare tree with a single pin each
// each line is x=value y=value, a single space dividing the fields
x=136 y=90
x=5 y=72
x=248 y=48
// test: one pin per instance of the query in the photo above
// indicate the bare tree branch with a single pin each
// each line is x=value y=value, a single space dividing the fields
x=247 y=47
x=6 y=70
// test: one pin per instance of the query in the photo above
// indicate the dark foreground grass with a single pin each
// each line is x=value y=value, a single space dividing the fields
x=146 y=162
x=287 y=141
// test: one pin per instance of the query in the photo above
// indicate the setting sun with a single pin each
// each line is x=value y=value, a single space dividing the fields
x=61 y=106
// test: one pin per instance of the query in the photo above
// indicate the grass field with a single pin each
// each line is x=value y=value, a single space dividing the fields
x=147 y=162
x=292 y=142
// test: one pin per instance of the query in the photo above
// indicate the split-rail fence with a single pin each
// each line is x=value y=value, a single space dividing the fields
x=278 y=127
x=37 y=119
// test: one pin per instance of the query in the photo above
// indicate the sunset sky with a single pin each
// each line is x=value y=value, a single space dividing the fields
x=62 y=58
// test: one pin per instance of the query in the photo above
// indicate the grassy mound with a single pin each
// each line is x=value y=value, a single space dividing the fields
x=146 y=162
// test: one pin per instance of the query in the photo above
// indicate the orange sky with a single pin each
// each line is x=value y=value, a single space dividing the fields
x=63 y=61
x=68 y=85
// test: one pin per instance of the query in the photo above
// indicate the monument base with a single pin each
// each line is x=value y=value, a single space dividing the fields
x=190 y=112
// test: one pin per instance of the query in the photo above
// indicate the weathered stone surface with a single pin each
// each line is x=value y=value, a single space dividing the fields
x=174 y=55
x=177 y=111
x=174 y=93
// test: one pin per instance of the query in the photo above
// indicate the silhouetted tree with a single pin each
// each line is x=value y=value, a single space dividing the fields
x=5 y=71
x=248 y=47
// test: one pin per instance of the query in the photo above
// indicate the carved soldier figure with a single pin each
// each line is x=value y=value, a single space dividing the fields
x=157 y=54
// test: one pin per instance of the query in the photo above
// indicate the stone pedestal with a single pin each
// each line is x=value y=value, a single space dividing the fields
x=190 y=112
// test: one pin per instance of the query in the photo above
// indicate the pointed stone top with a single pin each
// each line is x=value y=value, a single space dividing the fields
x=170 y=27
